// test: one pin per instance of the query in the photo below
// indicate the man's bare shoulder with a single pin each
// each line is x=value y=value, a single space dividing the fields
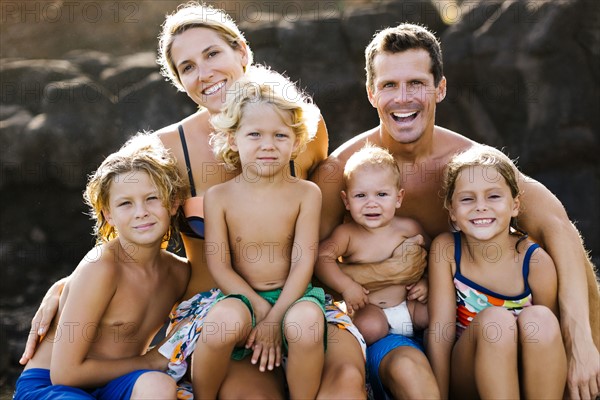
x=448 y=143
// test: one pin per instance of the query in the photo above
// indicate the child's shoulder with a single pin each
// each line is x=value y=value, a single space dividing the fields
x=410 y=226
x=539 y=257
x=442 y=241
x=97 y=265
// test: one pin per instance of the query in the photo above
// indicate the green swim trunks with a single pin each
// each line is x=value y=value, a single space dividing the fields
x=313 y=294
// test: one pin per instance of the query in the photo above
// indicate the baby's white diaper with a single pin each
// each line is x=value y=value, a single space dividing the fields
x=399 y=320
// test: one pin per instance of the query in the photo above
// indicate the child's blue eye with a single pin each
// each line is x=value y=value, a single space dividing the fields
x=359 y=195
x=382 y=194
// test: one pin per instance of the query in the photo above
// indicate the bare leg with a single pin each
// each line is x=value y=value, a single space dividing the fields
x=344 y=370
x=154 y=385
x=304 y=326
x=371 y=323
x=406 y=373
x=543 y=355
x=245 y=381
x=226 y=325
x=485 y=357
x=418 y=314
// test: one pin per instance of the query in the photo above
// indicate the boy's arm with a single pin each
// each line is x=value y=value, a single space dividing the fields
x=218 y=255
x=90 y=292
x=43 y=318
x=442 y=312
x=546 y=220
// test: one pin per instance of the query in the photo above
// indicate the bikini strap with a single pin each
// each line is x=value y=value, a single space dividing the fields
x=292 y=168
x=186 y=155
x=457 y=251
x=526 y=260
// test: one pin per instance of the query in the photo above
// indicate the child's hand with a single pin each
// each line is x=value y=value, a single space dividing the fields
x=418 y=291
x=355 y=297
x=265 y=341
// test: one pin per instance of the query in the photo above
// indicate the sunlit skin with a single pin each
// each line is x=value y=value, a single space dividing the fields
x=207 y=74
x=372 y=236
x=482 y=204
x=119 y=295
x=265 y=141
x=527 y=361
x=405 y=98
x=268 y=221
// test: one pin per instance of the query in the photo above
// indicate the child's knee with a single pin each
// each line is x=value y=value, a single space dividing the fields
x=538 y=324
x=495 y=325
x=304 y=323
x=154 y=384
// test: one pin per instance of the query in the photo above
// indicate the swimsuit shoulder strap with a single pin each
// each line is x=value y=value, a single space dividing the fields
x=186 y=155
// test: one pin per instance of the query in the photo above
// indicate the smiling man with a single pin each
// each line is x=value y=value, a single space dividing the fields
x=405 y=82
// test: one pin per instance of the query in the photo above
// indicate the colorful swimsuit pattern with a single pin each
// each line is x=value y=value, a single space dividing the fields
x=472 y=298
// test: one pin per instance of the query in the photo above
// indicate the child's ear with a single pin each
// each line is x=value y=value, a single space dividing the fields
x=232 y=142
x=345 y=200
x=107 y=216
x=516 y=206
x=399 y=198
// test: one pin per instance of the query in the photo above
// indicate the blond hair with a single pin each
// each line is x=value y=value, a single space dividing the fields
x=196 y=15
x=262 y=86
x=372 y=156
x=143 y=152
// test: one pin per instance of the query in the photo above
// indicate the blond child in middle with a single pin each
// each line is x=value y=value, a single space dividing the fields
x=262 y=232
x=373 y=193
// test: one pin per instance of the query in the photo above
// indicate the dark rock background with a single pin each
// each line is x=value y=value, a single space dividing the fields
x=77 y=78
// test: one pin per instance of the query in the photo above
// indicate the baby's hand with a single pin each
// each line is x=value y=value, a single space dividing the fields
x=355 y=297
x=418 y=291
x=265 y=341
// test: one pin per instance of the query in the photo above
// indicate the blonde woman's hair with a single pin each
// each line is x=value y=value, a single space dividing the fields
x=372 y=156
x=196 y=15
x=260 y=85
x=143 y=152
x=483 y=156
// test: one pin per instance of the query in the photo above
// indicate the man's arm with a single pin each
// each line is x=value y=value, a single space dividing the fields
x=545 y=219
x=405 y=267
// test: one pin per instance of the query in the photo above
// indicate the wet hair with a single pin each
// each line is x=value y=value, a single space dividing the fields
x=143 y=152
x=372 y=156
x=260 y=85
x=401 y=38
x=489 y=157
x=195 y=15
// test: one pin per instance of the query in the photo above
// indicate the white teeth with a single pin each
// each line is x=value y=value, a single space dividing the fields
x=404 y=115
x=213 y=88
x=482 y=221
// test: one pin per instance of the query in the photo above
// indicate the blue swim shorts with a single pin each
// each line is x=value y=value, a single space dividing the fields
x=378 y=350
x=35 y=384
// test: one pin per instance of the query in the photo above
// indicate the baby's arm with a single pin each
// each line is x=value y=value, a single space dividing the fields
x=543 y=280
x=442 y=311
x=329 y=272
x=91 y=289
x=43 y=318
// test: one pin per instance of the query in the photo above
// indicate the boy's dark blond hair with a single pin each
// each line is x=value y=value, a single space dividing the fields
x=143 y=152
